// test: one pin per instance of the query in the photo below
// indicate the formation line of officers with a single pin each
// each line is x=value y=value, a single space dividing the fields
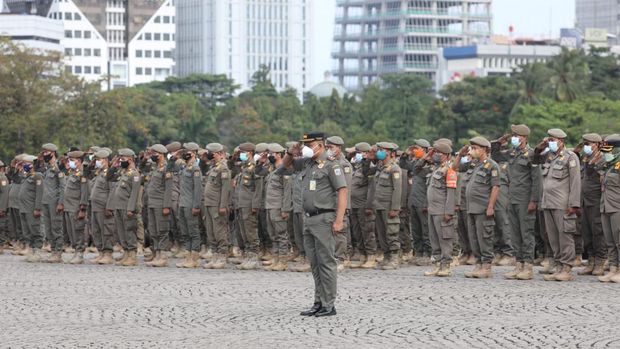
x=313 y=205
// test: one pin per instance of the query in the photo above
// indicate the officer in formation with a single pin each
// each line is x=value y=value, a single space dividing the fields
x=267 y=206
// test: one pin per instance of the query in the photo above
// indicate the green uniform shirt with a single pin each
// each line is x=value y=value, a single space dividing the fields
x=322 y=177
x=159 y=188
x=388 y=187
x=31 y=192
x=76 y=191
x=53 y=186
x=561 y=180
x=217 y=186
x=478 y=191
x=610 y=190
x=191 y=187
x=125 y=195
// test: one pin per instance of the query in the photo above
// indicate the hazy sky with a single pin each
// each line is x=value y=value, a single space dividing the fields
x=535 y=18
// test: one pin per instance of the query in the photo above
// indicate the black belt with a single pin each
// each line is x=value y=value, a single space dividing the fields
x=317 y=212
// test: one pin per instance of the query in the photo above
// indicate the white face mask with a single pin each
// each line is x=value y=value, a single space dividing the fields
x=98 y=164
x=307 y=152
x=256 y=157
x=72 y=164
x=168 y=156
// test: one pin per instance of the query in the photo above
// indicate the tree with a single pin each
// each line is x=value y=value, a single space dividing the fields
x=569 y=74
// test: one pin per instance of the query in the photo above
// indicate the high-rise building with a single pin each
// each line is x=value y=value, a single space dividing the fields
x=374 y=37
x=601 y=14
x=34 y=32
x=236 y=37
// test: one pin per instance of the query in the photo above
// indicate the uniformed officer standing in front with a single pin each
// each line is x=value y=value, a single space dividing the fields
x=16 y=177
x=190 y=204
x=610 y=207
x=216 y=202
x=123 y=204
x=387 y=203
x=482 y=192
x=325 y=202
x=4 y=207
x=248 y=192
x=53 y=191
x=561 y=200
x=159 y=192
x=441 y=195
x=103 y=228
x=523 y=195
x=75 y=201
x=30 y=195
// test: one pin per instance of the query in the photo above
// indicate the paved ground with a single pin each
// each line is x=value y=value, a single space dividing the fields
x=53 y=306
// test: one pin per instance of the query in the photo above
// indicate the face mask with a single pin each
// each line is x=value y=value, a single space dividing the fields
x=359 y=157
x=307 y=152
x=330 y=153
x=47 y=157
x=90 y=157
x=553 y=146
x=545 y=151
x=154 y=158
x=272 y=159
x=27 y=167
x=168 y=156
x=437 y=159
x=243 y=156
x=515 y=141
x=72 y=164
x=418 y=153
x=124 y=164
x=98 y=164
x=587 y=149
x=464 y=160
x=256 y=157
x=210 y=156
x=381 y=155
x=197 y=162
x=609 y=157
x=187 y=156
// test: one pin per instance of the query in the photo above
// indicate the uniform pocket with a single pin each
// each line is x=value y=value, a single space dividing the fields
x=570 y=224
x=447 y=229
x=489 y=227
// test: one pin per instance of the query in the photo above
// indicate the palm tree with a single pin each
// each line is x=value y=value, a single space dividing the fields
x=569 y=74
x=532 y=82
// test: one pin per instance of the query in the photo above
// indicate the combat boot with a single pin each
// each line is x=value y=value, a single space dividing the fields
x=615 y=278
x=506 y=261
x=526 y=273
x=471 y=273
x=55 y=257
x=565 y=274
x=131 y=259
x=370 y=263
x=463 y=259
x=423 y=261
x=26 y=251
x=434 y=271
x=380 y=257
x=406 y=257
x=47 y=247
x=150 y=257
x=551 y=277
x=599 y=267
x=391 y=263
x=496 y=258
x=78 y=258
x=268 y=258
x=359 y=262
x=357 y=256
x=157 y=257
x=273 y=264
x=303 y=267
x=220 y=262
x=613 y=271
x=578 y=261
x=545 y=262
x=182 y=263
x=117 y=248
x=106 y=259
x=181 y=253
x=96 y=259
x=72 y=258
x=471 y=260
x=161 y=262
x=589 y=268
x=484 y=272
x=444 y=270
x=282 y=265
x=121 y=259
x=35 y=257
x=253 y=263
x=175 y=248
x=206 y=253
x=548 y=268
x=511 y=275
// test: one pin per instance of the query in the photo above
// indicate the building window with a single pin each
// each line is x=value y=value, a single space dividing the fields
x=139 y=53
x=97 y=70
x=78 y=69
x=87 y=70
x=78 y=52
x=87 y=52
x=158 y=19
x=157 y=54
x=138 y=71
x=148 y=54
x=166 y=37
x=167 y=54
x=97 y=52
x=87 y=34
x=68 y=16
x=68 y=69
x=148 y=71
x=68 y=34
x=78 y=34
x=166 y=19
x=157 y=37
x=67 y=51
x=147 y=36
x=77 y=16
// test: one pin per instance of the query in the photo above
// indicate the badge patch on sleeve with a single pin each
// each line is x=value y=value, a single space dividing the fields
x=196 y=174
x=224 y=174
x=494 y=173
x=136 y=178
x=3 y=183
x=83 y=179
x=396 y=175
x=60 y=175
x=347 y=170
x=168 y=175
x=337 y=172
x=38 y=182
x=572 y=163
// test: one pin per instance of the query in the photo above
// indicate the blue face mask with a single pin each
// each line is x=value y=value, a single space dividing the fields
x=515 y=141
x=587 y=149
x=359 y=157
x=197 y=162
x=437 y=159
x=72 y=165
x=27 y=167
x=381 y=155
x=243 y=156
x=553 y=146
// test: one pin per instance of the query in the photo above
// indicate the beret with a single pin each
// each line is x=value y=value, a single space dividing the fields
x=126 y=152
x=422 y=143
x=362 y=146
x=275 y=148
x=247 y=147
x=107 y=149
x=520 y=130
x=159 y=148
x=556 y=133
x=386 y=145
x=75 y=154
x=349 y=150
x=592 y=137
x=444 y=140
x=313 y=136
x=173 y=146
x=291 y=143
x=49 y=147
x=20 y=157
x=261 y=147
x=443 y=147
x=93 y=149
x=613 y=140
x=481 y=141
x=214 y=147
x=102 y=154
x=28 y=158
x=335 y=140
x=191 y=146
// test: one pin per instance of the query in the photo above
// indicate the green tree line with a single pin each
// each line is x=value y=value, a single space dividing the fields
x=39 y=103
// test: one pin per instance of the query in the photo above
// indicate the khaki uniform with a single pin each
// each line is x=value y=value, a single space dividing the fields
x=263 y=232
x=343 y=241
x=75 y=200
x=217 y=195
x=388 y=197
x=4 y=208
x=279 y=200
x=478 y=192
x=465 y=173
x=362 y=224
x=524 y=188
x=248 y=199
x=298 y=212
x=503 y=241
x=103 y=227
x=17 y=233
x=125 y=198
x=561 y=181
x=30 y=195
x=418 y=206
x=610 y=212
x=158 y=189
x=591 y=225
x=441 y=201
x=190 y=185
x=53 y=191
x=321 y=180
x=404 y=230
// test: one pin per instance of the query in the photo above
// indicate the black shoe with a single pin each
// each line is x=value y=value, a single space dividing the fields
x=326 y=312
x=310 y=312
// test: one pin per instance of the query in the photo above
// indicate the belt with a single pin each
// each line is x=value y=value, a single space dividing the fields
x=317 y=212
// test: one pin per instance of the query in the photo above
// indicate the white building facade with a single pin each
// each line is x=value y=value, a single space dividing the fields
x=236 y=37
x=35 y=32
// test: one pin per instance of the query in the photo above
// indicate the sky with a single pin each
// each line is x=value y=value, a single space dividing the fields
x=531 y=18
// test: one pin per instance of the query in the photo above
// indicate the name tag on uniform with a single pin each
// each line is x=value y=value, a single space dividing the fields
x=312 y=186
